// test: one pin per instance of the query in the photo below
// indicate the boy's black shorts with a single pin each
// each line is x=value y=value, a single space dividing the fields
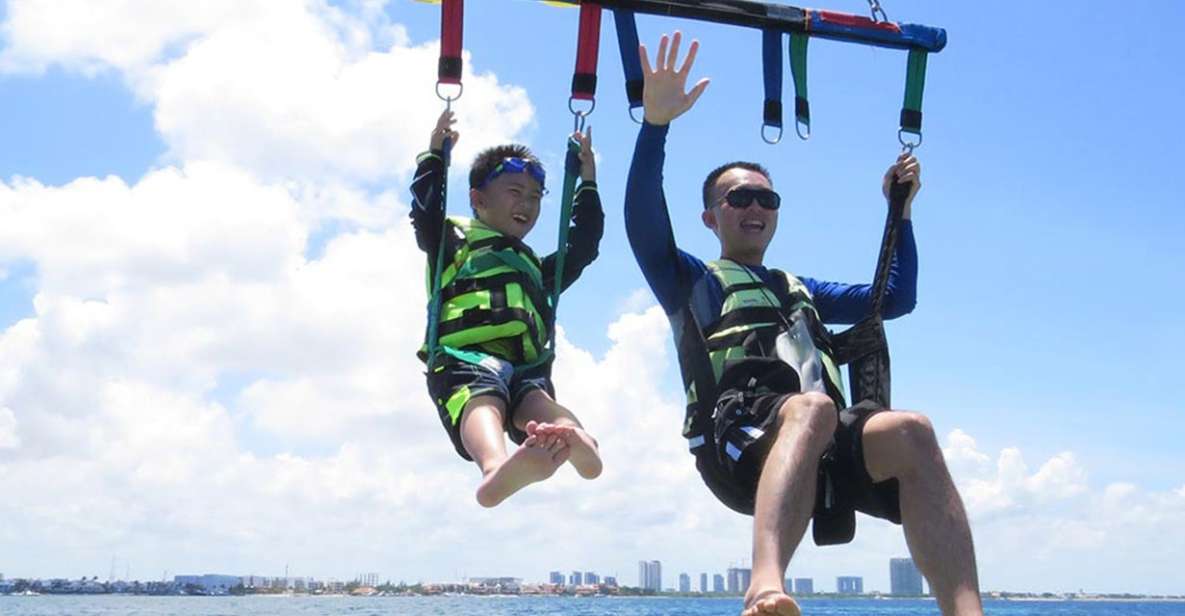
x=454 y=382
x=745 y=422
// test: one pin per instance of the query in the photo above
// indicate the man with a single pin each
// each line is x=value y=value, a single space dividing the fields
x=772 y=441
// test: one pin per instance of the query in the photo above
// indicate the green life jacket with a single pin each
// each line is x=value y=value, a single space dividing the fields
x=492 y=296
x=752 y=318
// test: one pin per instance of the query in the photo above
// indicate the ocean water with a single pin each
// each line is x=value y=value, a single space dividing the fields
x=115 y=605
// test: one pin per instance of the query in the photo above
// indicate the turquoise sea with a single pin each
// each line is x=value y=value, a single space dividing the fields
x=113 y=605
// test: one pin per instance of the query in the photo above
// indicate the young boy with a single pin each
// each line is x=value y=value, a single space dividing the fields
x=492 y=370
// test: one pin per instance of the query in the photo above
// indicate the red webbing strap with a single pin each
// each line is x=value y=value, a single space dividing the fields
x=452 y=14
x=584 y=80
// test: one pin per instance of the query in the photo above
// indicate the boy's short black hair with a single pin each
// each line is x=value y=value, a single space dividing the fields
x=489 y=158
x=710 y=181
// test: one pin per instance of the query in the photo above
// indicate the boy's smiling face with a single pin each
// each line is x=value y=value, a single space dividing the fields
x=509 y=203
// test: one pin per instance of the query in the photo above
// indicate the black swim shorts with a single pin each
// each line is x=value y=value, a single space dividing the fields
x=454 y=383
x=745 y=423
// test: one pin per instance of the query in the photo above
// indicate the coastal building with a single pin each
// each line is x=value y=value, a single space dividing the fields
x=556 y=577
x=684 y=582
x=904 y=577
x=849 y=585
x=610 y=580
x=804 y=586
x=209 y=584
x=498 y=584
x=591 y=578
x=738 y=579
x=717 y=583
x=576 y=579
x=703 y=582
x=650 y=575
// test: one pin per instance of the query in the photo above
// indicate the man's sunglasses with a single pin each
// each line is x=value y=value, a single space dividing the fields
x=515 y=165
x=744 y=197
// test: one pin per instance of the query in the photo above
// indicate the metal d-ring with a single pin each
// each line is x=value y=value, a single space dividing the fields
x=636 y=120
x=766 y=139
x=798 y=128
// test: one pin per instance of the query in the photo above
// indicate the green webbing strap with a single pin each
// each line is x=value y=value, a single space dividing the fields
x=571 y=173
x=434 y=302
x=915 y=84
x=802 y=106
x=509 y=258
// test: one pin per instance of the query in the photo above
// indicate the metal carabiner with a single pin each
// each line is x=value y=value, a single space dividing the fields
x=908 y=146
x=637 y=120
x=448 y=100
x=579 y=117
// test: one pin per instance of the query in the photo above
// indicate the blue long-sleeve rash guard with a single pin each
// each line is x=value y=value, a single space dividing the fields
x=672 y=273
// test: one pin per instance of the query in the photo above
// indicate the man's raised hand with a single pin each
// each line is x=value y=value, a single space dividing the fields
x=664 y=97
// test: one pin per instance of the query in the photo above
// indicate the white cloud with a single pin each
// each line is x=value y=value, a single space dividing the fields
x=8 y=435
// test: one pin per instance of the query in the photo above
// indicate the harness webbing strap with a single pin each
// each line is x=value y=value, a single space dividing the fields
x=451 y=27
x=571 y=173
x=915 y=84
x=771 y=62
x=584 y=79
x=631 y=63
x=771 y=65
x=802 y=106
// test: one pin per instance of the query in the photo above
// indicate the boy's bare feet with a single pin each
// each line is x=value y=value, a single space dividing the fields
x=771 y=601
x=584 y=456
x=530 y=463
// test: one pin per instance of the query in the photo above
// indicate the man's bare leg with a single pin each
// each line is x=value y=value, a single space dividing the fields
x=902 y=446
x=786 y=498
x=482 y=435
x=554 y=422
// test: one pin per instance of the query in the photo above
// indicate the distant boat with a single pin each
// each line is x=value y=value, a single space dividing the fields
x=26 y=593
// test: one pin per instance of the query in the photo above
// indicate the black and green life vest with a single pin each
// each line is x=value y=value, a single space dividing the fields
x=492 y=297
x=751 y=319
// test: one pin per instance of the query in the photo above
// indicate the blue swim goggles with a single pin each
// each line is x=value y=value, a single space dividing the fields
x=516 y=165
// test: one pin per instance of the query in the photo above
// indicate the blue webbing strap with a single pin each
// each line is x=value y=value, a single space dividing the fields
x=771 y=62
x=631 y=64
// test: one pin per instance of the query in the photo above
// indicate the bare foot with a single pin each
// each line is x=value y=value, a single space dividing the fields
x=530 y=463
x=585 y=456
x=771 y=601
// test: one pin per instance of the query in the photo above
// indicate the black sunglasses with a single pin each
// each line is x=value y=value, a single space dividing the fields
x=744 y=197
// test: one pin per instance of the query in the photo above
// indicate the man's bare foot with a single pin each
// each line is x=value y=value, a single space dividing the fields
x=530 y=463
x=771 y=601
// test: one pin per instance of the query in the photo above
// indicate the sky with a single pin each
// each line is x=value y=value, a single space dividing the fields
x=210 y=296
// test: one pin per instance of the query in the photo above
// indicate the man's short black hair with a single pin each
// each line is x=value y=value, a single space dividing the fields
x=489 y=158
x=710 y=181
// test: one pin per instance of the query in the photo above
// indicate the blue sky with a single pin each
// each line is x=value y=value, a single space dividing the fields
x=241 y=259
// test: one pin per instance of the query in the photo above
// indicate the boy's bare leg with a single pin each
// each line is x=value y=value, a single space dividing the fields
x=786 y=497
x=539 y=415
x=902 y=446
x=482 y=435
